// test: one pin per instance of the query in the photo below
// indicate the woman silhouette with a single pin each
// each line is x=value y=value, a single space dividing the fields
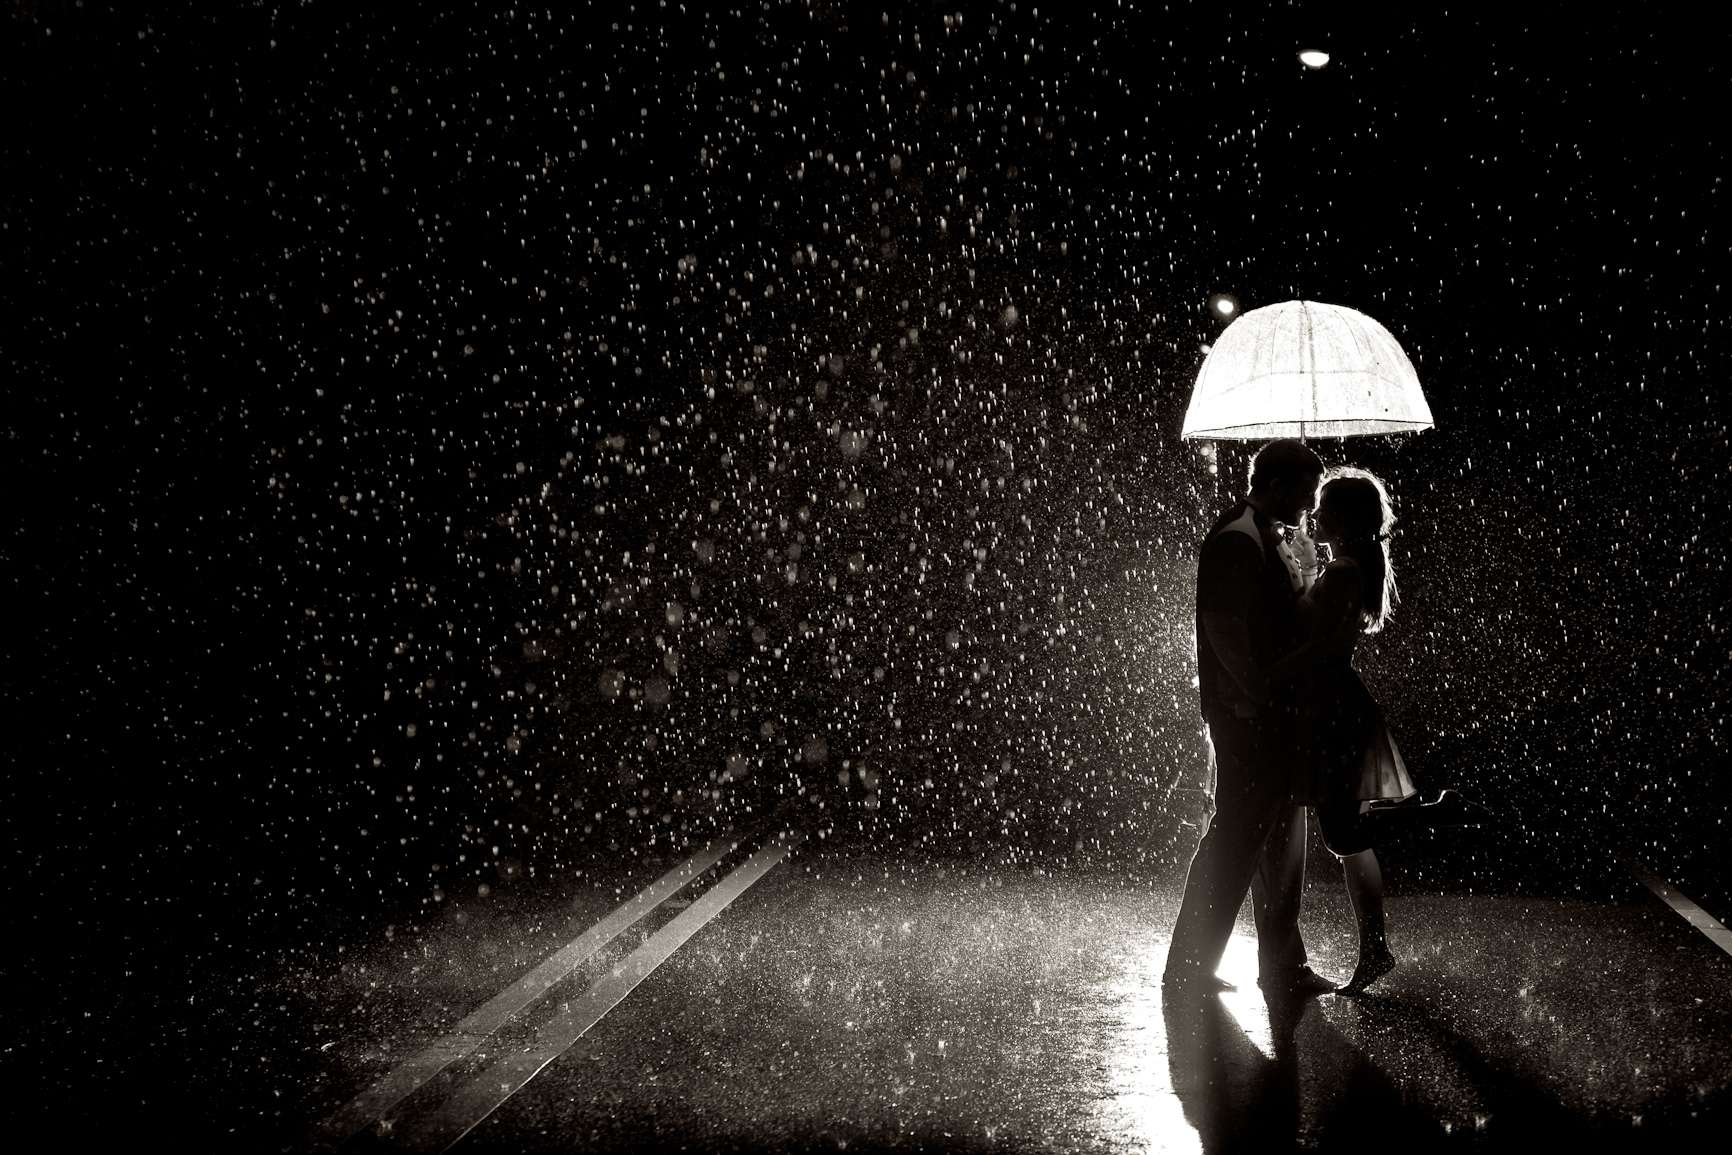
x=1359 y=779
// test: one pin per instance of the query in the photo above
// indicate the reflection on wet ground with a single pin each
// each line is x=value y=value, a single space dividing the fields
x=852 y=999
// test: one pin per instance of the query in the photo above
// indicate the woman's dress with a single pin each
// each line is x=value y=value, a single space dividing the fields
x=1352 y=756
x=1355 y=755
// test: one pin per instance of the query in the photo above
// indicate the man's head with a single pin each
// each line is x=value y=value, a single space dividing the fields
x=1284 y=477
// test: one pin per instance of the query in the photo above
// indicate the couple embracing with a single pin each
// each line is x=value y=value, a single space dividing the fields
x=1290 y=724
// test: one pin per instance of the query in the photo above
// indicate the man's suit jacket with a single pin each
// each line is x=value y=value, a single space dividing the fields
x=1245 y=569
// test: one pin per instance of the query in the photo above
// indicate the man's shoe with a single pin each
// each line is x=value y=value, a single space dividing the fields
x=1303 y=983
x=1195 y=981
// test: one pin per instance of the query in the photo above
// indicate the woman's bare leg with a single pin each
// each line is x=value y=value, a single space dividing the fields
x=1365 y=891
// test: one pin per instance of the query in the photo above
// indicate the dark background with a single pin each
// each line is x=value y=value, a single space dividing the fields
x=450 y=447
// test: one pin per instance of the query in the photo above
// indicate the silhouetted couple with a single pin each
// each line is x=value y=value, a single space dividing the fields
x=1290 y=725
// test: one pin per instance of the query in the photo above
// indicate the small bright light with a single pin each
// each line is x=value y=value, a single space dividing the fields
x=1312 y=58
x=1224 y=307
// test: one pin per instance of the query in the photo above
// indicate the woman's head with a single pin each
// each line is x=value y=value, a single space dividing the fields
x=1356 y=517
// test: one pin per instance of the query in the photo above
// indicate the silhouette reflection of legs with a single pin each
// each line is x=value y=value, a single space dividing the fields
x=1317 y=1087
x=1236 y=1097
x=1393 y=1071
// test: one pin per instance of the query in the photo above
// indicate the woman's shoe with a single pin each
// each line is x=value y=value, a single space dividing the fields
x=1449 y=808
x=1371 y=968
x=1454 y=807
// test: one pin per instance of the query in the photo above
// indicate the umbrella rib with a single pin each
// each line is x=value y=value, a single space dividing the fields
x=1364 y=350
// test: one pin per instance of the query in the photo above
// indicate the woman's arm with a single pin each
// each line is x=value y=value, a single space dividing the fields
x=1335 y=598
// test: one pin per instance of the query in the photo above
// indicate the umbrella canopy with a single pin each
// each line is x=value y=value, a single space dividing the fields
x=1303 y=369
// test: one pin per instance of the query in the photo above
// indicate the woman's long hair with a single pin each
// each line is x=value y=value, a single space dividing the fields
x=1358 y=503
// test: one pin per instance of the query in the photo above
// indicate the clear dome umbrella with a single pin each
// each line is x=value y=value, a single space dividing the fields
x=1304 y=369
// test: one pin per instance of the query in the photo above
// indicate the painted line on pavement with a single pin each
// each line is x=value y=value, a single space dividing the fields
x=409 y=1076
x=1710 y=926
x=481 y=1096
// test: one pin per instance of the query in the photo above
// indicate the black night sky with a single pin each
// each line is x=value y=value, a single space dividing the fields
x=449 y=446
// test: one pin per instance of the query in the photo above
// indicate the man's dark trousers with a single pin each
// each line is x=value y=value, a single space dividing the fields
x=1255 y=841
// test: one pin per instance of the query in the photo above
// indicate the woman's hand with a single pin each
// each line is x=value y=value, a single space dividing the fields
x=1305 y=553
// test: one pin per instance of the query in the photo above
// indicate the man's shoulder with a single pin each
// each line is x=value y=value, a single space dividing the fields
x=1235 y=533
x=1226 y=554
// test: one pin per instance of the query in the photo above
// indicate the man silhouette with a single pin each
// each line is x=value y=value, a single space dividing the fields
x=1248 y=587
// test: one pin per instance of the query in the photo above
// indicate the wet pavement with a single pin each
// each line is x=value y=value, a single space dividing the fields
x=851 y=999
